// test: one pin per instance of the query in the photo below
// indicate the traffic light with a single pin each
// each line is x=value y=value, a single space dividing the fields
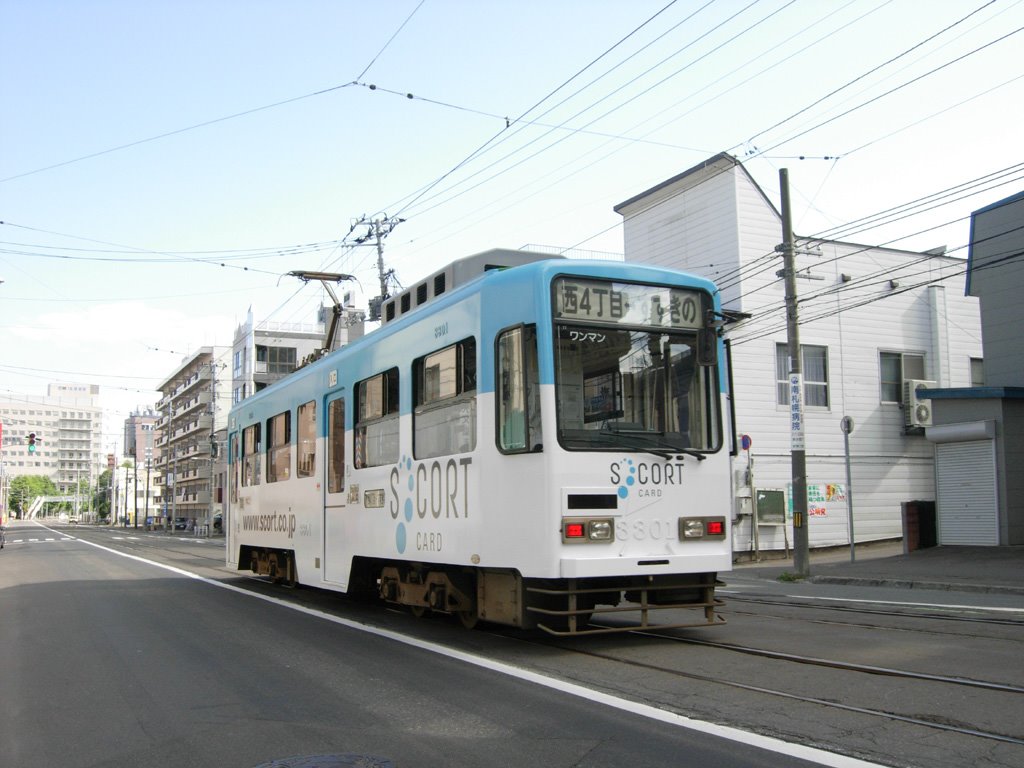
x=31 y=442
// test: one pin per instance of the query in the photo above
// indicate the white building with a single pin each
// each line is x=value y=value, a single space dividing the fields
x=871 y=319
x=67 y=426
x=264 y=352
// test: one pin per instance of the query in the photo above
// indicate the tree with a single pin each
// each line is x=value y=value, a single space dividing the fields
x=25 y=488
x=101 y=497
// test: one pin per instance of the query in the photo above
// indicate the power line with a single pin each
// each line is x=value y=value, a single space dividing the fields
x=891 y=91
x=390 y=40
x=175 y=132
x=521 y=123
x=142 y=250
x=577 y=130
x=418 y=195
x=869 y=72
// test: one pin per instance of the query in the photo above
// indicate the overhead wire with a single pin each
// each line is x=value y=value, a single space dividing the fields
x=891 y=91
x=404 y=203
x=175 y=132
x=391 y=39
x=868 y=73
x=884 y=276
x=919 y=44
x=536 y=180
x=576 y=130
x=139 y=250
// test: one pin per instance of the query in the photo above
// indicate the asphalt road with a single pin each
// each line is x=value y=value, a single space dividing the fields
x=111 y=660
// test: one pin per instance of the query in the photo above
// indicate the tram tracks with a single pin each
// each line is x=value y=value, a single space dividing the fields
x=914 y=699
x=888 y=612
x=934 y=722
x=890 y=715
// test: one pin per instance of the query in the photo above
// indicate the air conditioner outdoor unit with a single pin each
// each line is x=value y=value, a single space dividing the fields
x=917 y=411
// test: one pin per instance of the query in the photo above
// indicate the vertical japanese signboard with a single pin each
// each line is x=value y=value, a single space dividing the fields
x=796 y=409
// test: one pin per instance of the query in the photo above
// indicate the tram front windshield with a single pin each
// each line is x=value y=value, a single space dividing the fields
x=622 y=386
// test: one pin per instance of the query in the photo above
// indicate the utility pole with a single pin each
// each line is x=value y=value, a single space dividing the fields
x=801 y=554
x=135 y=463
x=213 y=447
x=380 y=259
x=377 y=231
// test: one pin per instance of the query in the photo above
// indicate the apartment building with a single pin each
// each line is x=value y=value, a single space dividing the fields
x=58 y=436
x=195 y=403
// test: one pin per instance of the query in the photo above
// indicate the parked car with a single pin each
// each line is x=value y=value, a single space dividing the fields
x=181 y=523
x=218 y=522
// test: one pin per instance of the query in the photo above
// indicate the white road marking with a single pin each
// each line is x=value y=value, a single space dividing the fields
x=818 y=756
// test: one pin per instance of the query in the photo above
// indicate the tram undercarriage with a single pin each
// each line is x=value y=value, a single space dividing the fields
x=555 y=606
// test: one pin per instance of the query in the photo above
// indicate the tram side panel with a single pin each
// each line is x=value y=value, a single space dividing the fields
x=404 y=502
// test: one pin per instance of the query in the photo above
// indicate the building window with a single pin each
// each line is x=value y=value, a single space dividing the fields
x=444 y=416
x=893 y=368
x=977 y=372
x=275 y=360
x=814 y=364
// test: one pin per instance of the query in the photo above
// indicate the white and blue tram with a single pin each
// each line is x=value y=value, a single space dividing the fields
x=527 y=445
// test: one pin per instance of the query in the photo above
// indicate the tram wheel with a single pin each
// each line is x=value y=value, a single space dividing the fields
x=289 y=579
x=469 y=619
x=418 y=611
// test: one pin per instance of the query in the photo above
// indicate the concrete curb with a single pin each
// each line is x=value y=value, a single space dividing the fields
x=918 y=584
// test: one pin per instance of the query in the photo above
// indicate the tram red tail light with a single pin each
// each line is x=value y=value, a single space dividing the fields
x=691 y=528
x=588 y=530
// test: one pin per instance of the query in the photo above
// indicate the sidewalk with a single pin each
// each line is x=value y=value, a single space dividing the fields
x=962 y=569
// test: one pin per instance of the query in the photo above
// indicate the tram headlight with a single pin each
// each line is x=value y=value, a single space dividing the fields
x=690 y=528
x=601 y=530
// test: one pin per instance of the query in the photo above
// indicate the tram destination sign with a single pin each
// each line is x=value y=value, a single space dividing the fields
x=597 y=301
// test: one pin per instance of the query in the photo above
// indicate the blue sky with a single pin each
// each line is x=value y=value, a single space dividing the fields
x=144 y=145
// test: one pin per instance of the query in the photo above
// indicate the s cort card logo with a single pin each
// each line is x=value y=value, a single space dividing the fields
x=427 y=491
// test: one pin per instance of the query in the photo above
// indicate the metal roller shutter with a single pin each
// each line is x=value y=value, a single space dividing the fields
x=967 y=509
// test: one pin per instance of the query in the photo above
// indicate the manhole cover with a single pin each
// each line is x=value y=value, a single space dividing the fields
x=329 y=761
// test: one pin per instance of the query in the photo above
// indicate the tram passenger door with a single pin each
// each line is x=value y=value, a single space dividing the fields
x=335 y=565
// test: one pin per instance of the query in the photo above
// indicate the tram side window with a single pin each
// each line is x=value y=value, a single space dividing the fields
x=376 y=420
x=444 y=414
x=251 y=455
x=236 y=469
x=279 y=446
x=336 y=446
x=518 y=383
x=306 y=440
